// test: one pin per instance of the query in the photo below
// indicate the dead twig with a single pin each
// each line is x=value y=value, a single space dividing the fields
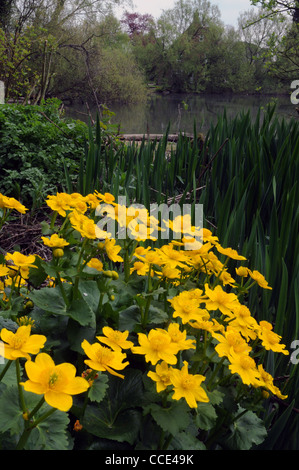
x=212 y=159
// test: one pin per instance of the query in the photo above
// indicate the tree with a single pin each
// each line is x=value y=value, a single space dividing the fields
x=5 y=13
x=257 y=31
x=180 y=17
x=274 y=7
x=18 y=53
x=66 y=37
x=103 y=60
x=137 y=24
x=283 y=52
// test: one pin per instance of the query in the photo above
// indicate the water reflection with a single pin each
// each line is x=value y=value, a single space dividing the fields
x=181 y=110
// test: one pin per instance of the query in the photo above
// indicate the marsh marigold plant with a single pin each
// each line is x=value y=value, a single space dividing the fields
x=167 y=328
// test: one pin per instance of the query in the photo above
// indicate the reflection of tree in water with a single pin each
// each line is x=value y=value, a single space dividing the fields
x=160 y=111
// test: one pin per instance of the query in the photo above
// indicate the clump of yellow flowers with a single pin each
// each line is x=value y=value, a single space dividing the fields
x=210 y=314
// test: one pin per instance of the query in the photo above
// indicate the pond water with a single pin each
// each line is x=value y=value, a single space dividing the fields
x=181 y=110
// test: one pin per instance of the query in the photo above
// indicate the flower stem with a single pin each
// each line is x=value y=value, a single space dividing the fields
x=21 y=395
x=38 y=406
x=29 y=427
x=5 y=370
x=217 y=368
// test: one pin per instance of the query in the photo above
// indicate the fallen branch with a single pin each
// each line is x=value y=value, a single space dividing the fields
x=139 y=137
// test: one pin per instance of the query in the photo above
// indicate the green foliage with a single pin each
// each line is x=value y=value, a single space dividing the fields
x=248 y=190
x=70 y=303
x=35 y=144
x=190 y=50
x=245 y=174
x=117 y=77
x=23 y=62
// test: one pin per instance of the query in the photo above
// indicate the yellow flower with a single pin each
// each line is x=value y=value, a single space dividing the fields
x=136 y=214
x=226 y=278
x=156 y=346
x=22 y=262
x=169 y=273
x=140 y=232
x=78 y=203
x=117 y=340
x=95 y=263
x=107 y=197
x=61 y=202
x=230 y=252
x=76 y=219
x=161 y=376
x=11 y=203
x=92 y=201
x=54 y=241
x=230 y=342
x=83 y=224
x=266 y=380
x=242 y=271
x=140 y=268
x=21 y=343
x=259 y=278
x=4 y=270
x=187 y=307
x=219 y=299
x=115 y=212
x=141 y=251
x=56 y=382
x=181 y=225
x=244 y=322
x=172 y=257
x=178 y=337
x=245 y=367
x=89 y=229
x=147 y=255
x=104 y=359
x=188 y=386
x=270 y=339
x=208 y=237
x=196 y=294
x=112 y=250
x=210 y=326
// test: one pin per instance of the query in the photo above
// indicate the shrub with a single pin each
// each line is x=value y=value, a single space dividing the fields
x=35 y=141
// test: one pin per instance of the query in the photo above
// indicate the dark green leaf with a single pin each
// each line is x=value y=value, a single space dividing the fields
x=172 y=419
x=246 y=432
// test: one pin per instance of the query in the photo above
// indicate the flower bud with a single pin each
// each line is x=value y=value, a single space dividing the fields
x=12 y=272
x=58 y=253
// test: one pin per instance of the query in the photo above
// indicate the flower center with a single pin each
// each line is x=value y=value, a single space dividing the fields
x=272 y=338
x=158 y=343
x=247 y=362
x=18 y=342
x=187 y=383
x=164 y=378
x=53 y=379
x=104 y=355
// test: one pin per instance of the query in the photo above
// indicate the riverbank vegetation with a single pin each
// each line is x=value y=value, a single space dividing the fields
x=226 y=313
x=127 y=322
x=77 y=50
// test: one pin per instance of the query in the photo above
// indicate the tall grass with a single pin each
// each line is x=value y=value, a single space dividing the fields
x=246 y=175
